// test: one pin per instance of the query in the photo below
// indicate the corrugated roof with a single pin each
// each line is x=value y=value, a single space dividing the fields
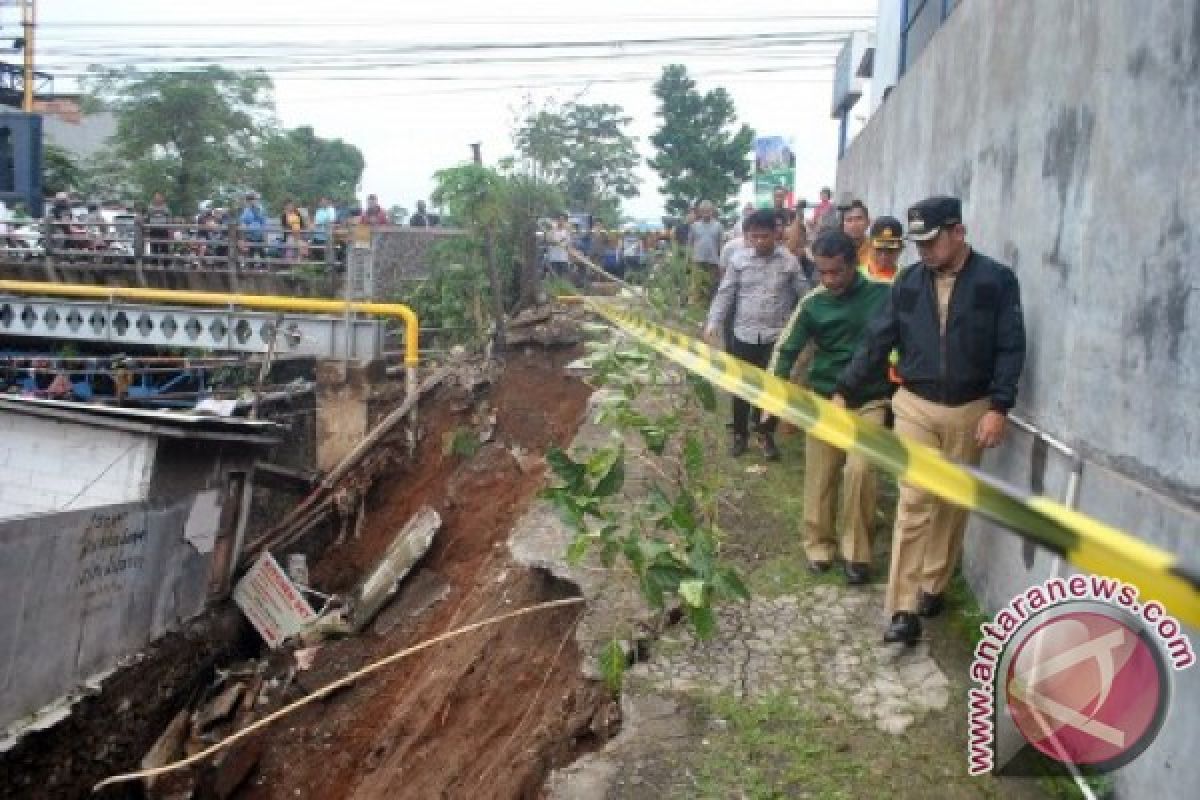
x=170 y=424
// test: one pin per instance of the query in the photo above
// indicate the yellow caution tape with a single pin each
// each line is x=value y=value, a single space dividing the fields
x=1085 y=542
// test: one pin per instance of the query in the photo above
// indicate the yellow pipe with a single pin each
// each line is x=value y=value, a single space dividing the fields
x=265 y=302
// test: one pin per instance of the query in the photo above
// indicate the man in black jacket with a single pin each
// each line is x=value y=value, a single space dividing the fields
x=955 y=319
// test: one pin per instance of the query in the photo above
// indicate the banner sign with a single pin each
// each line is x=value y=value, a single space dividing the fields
x=774 y=165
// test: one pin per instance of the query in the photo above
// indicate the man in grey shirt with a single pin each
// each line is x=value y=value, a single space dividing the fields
x=704 y=247
x=760 y=288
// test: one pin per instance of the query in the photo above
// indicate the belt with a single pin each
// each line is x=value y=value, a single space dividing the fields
x=935 y=393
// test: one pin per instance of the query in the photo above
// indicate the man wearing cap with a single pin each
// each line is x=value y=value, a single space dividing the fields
x=955 y=319
x=833 y=317
x=887 y=242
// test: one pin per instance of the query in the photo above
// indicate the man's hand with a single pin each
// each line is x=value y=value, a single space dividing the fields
x=710 y=335
x=991 y=429
x=838 y=401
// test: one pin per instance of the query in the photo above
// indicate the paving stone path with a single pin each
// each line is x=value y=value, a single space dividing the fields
x=824 y=643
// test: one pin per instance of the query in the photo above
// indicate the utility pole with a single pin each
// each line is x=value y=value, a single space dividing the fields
x=27 y=20
x=489 y=252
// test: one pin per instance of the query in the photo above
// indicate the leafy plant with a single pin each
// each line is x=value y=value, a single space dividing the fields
x=461 y=442
x=671 y=542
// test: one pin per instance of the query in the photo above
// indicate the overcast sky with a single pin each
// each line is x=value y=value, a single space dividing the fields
x=350 y=70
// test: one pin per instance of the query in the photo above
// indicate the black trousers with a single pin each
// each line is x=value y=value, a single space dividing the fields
x=759 y=355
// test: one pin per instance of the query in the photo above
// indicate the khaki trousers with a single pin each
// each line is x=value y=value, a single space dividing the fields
x=826 y=466
x=928 y=537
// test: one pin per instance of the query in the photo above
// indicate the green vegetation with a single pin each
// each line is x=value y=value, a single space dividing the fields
x=584 y=151
x=701 y=155
x=670 y=541
x=208 y=135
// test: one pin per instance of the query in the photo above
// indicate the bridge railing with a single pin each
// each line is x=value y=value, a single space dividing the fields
x=314 y=252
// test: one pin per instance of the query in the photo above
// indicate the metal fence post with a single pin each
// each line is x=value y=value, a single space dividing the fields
x=139 y=243
x=233 y=256
x=43 y=228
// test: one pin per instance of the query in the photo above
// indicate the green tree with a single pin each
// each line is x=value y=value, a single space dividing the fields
x=60 y=171
x=504 y=205
x=701 y=155
x=300 y=165
x=187 y=134
x=584 y=150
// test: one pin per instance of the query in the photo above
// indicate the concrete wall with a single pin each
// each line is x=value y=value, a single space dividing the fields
x=47 y=465
x=83 y=589
x=1070 y=130
x=82 y=136
x=888 y=23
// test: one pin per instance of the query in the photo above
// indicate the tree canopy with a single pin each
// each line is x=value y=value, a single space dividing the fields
x=211 y=133
x=584 y=150
x=302 y=166
x=701 y=153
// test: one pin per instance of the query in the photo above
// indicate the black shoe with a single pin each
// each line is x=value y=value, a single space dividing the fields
x=930 y=605
x=738 y=448
x=770 y=451
x=905 y=627
x=857 y=574
x=819 y=567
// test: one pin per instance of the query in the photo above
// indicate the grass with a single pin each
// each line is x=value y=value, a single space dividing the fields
x=789 y=745
x=777 y=747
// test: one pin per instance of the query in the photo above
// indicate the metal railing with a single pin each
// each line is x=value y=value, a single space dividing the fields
x=397 y=311
x=1074 y=478
x=211 y=246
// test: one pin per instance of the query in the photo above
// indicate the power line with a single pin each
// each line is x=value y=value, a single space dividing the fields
x=345 y=68
x=572 y=44
x=564 y=82
x=409 y=23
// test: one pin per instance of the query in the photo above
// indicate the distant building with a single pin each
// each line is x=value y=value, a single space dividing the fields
x=64 y=123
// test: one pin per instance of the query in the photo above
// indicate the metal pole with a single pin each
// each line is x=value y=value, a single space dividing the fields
x=1071 y=496
x=27 y=20
x=266 y=365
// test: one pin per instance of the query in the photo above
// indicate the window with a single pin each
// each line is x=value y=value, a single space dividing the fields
x=920 y=21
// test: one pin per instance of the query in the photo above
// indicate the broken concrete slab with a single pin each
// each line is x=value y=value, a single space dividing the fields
x=219 y=708
x=383 y=582
x=168 y=746
x=531 y=316
x=422 y=592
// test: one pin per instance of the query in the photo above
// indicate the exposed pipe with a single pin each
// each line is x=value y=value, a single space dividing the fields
x=1071 y=497
x=262 y=302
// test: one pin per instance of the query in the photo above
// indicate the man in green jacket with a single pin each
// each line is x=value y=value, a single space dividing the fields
x=834 y=317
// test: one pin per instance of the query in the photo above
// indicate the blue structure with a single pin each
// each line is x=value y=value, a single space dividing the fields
x=21 y=160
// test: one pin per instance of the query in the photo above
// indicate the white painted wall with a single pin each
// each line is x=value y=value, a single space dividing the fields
x=51 y=465
x=888 y=25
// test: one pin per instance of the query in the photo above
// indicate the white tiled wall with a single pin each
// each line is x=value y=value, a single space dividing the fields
x=48 y=465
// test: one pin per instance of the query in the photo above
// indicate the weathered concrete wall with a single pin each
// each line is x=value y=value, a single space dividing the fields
x=82 y=589
x=47 y=465
x=402 y=256
x=1070 y=130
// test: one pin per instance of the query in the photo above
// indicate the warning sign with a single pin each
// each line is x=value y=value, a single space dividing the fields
x=272 y=602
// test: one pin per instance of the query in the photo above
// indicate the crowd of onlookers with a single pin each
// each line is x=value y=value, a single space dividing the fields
x=92 y=231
